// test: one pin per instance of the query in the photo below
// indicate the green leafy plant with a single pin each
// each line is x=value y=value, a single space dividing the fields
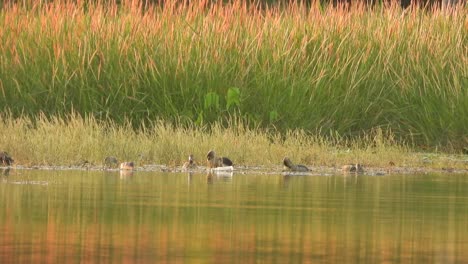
x=273 y=116
x=212 y=101
x=233 y=97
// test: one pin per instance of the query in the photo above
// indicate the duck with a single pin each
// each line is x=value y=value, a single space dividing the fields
x=215 y=162
x=110 y=161
x=5 y=158
x=289 y=165
x=127 y=165
x=190 y=164
x=352 y=168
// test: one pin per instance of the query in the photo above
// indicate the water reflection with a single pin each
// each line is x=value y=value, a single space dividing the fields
x=225 y=176
x=168 y=217
x=125 y=174
x=5 y=171
x=189 y=177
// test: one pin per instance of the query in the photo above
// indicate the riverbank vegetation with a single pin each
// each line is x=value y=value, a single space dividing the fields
x=76 y=141
x=225 y=75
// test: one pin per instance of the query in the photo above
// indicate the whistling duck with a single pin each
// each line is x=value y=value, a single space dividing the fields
x=215 y=162
x=293 y=167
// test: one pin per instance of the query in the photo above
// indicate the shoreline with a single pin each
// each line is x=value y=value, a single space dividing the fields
x=251 y=170
x=86 y=142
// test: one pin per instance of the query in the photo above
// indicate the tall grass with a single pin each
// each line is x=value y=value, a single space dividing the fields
x=315 y=68
x=74 y=141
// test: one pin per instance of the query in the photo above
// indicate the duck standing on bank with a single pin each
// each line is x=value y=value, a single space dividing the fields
x=353 y=168
x=110 y=162
x=5 y=159
x=127 y=166
x=216 y=162
x=190 y=164
x=293 y=167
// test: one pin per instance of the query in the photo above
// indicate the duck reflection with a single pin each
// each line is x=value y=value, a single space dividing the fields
x=284 y=180
x=225 y=176
x=5 y=172
x=189 y=177
x=209 y=177
x=125 y=174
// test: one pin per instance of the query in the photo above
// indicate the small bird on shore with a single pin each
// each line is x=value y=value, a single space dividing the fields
x=352 y=168
x=289 y=165
x=5 y=159
x=215 y=162
x=190 y=164
x=127 y=165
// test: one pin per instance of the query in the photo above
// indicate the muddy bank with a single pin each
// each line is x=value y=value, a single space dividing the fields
x=255 y=170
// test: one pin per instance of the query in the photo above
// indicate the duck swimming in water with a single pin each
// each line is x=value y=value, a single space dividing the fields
x=190 y=164
x=215 y=162
x=293 y=167
x=5 y=159
x=352 y=168
x=127 y=165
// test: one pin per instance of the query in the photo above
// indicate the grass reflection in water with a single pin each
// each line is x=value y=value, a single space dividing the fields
x=54 y=216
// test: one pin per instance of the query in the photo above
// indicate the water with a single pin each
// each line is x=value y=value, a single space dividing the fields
x=95 y=216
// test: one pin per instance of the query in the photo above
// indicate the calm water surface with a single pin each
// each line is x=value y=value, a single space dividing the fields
x=91 y=216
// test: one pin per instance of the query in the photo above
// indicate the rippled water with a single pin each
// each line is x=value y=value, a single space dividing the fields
x=93 y=216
